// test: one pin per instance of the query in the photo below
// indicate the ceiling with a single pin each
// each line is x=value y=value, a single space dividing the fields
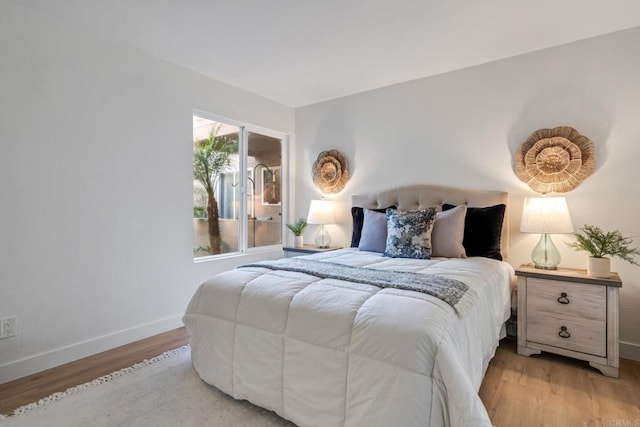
x=300 y=52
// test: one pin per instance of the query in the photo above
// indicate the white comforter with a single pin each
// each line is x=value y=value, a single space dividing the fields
x=324 y=352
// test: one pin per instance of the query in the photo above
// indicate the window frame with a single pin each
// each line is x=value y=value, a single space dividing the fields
x=243 y=151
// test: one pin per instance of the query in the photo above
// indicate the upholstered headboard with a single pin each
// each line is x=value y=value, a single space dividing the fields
x=424 y=196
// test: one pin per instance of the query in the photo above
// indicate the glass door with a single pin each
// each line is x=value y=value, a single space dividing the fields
x=264 y=193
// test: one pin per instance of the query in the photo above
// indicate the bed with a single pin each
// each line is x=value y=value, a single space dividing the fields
x=359 y=337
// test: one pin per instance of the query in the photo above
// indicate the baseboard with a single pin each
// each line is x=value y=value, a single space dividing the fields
x=50 y=359
x=630 y=351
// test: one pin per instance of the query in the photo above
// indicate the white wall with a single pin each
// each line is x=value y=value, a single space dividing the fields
x=462 y=128
x=95 y=189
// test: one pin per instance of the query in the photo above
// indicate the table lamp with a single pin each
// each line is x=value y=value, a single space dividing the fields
x=546 y=215
x=321 y=212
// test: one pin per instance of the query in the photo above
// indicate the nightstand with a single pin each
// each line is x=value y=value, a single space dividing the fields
x=566 y=312
x=290 y=251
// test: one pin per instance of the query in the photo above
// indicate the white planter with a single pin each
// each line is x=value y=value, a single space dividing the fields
x=298 y=241
x=599 y=267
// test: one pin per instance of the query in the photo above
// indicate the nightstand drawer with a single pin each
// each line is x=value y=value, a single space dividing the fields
x=567 y=300
x=571 y=333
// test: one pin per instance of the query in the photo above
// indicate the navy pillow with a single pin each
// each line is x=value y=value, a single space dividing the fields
x=358 y=221
x=482 y=230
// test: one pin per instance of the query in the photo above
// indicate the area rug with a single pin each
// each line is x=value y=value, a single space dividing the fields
x=163 y=391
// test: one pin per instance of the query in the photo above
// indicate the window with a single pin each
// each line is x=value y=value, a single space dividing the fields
x=237 y=187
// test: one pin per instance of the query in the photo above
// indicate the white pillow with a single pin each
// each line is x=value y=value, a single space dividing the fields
x=448 y=233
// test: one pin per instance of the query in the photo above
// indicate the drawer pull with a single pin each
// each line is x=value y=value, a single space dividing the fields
x=564 y=333
x=563 y=298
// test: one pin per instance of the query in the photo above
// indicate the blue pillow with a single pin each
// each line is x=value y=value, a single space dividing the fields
x=374 y=232
x=358 y=221
x=409 y=233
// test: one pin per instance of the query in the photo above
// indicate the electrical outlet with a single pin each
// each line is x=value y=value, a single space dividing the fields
x=8 y=327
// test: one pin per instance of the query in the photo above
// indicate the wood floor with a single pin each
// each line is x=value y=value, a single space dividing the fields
x=549 y=390
x=34 y=387
x=545 y=390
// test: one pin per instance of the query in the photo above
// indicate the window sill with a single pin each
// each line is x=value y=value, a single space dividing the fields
x=232 y=255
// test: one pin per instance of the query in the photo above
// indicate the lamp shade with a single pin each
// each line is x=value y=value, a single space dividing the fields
x=546 y=215
x=321 y=212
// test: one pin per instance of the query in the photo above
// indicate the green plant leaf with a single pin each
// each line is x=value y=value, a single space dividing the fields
x=600 y=244
x=297 y=228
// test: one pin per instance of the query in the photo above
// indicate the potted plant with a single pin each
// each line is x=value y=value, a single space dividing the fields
x=297 y=228
x=599 y=244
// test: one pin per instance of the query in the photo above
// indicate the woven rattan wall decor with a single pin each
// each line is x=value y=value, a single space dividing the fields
x=330 y=171
x=555 y=160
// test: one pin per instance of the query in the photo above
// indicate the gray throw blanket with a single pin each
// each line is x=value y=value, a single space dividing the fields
x=453 y=292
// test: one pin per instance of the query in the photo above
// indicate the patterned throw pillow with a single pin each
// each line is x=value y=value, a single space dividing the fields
x=409 y=233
